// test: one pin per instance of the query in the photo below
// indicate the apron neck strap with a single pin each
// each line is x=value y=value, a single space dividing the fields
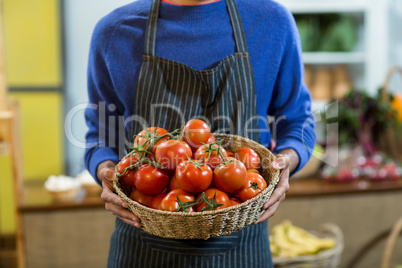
x=150 y=33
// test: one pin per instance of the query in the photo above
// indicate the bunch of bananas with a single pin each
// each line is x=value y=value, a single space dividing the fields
x=288 y=240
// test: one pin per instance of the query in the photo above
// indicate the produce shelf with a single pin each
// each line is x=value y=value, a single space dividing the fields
x=325 y=6
x=333 y=57
x=318 y=187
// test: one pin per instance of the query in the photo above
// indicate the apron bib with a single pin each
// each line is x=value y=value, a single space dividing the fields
x=167 y=95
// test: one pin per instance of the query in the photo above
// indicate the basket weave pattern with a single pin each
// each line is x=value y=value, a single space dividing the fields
x=203 y=225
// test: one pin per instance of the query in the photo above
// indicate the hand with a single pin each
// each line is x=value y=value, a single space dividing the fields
x=113 y=203
x=286 y=161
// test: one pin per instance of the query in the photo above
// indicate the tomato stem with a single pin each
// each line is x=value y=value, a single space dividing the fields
x=254 y=185
x=198 y=164
x=211 y=204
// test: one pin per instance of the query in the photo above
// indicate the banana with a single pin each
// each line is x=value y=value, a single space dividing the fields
x=288 y=240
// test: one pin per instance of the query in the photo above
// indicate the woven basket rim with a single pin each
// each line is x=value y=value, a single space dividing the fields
x=196 y=214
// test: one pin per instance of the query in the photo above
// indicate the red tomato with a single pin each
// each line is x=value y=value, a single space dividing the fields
x=128 y=178
x=209 y=154
x=220 y=198
x=153 y=132
x=141 y=198
x=196 y=132
x=254 y=185
x=230 y=177
x=230 y=154
x=249 y=157
x=156 y=201
x=151 y=180
x=173 y=183
x=193 y=178
x=234 y=201
x=170 y=153
x=211 y=139
x=170 y=203
x=253 y=171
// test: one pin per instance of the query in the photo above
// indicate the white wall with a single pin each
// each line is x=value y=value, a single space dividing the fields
x=80 y=17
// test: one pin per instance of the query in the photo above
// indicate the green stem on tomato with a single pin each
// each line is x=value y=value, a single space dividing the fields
x=254 y=185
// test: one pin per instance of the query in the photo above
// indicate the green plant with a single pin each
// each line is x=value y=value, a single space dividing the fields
x=361 y=118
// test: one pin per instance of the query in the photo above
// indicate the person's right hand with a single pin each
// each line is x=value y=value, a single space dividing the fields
x=113 y=203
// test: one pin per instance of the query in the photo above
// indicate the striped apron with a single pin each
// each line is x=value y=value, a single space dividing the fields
x=167 y=95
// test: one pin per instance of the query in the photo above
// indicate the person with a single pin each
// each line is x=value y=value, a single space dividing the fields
x=161 y=63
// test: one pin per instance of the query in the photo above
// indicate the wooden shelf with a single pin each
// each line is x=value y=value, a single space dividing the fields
x=318 y=187
x=36 y=198
x=333 y=57
x=321 y=6
x=318 y=105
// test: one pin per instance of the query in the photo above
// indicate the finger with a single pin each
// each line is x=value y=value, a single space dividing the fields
x=108 y=196
x=132 y=223
x=281 y=189
x=270 y=211
x=121 y=212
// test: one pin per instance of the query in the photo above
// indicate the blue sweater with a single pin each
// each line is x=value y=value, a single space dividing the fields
x=198 y=36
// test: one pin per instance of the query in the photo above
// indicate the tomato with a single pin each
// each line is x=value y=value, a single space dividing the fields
x=170 y=203
x=151 y=180
x=220 y=198
x=149 y=135
x=231 y=176
x=193 y=177
x=249 y=157
x=173 y=183
x=196 y=132
x=234 y=201
x=211 y=139
x=141 y=198
x=156 y=201
x=254 y=185
x=209 y=155
x=230 y=154
x=253 y=171
x=128 y=178
x=171 y=152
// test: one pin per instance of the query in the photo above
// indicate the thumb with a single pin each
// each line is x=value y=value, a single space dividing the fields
x=281 y=162
x=107 y=174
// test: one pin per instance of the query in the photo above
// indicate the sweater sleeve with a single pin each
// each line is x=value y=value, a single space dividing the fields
x=291 y=100
x=104 y=108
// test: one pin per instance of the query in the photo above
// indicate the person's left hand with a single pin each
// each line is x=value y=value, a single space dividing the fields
x=283 y=162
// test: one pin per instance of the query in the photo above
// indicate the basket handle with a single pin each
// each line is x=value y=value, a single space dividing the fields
x=385 y=88
x=389 y=247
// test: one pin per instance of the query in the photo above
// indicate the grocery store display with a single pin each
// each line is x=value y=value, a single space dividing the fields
x=170 y=178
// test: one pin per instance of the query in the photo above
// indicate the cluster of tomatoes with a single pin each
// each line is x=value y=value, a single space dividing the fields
x=187 y=170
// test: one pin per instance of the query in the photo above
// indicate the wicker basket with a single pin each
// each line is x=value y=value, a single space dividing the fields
x=203 y=225
x=329 y=258
x=389 y=141
x=389 y=247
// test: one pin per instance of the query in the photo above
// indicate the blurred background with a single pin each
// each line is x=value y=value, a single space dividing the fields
x=351 y=50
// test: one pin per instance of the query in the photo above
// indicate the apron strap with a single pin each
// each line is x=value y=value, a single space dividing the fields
x=150 y=32
x=237 y=25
